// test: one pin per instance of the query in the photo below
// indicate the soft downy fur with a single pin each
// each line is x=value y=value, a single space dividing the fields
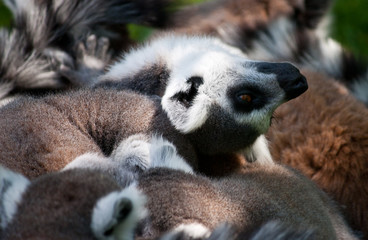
x=277 y=30
x=43 y=50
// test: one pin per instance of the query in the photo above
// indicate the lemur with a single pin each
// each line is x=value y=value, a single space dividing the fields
x=216 y=102
x=324 y=133
x=166 y=200
x=43 y=51
x=297 y=31
x=181 y=201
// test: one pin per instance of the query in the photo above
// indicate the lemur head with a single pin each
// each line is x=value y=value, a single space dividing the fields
x=209 y=90
x=72 y=204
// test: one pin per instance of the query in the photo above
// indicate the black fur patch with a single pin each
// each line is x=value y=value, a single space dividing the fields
x=150 y=81
x=258 y=98
x=186 y=98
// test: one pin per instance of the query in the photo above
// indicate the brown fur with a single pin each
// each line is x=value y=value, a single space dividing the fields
x=323 y=133
x=43 y=135
x=250 y=14
x=246 y=17
x=245 y=200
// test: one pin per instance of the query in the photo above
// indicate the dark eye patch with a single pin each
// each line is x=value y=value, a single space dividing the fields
x=247 y=98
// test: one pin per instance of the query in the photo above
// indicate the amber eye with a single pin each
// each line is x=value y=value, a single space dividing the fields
x=245 y=98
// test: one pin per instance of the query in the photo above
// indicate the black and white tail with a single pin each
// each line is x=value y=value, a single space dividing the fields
x=46 y=36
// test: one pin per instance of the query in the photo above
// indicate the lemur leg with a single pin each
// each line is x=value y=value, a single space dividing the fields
x=130 y=158
x=133 y=153
x=97 y=161
x=164 y=154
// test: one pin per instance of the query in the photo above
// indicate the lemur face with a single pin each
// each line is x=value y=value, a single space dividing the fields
x=210 y=89
x=219 y=87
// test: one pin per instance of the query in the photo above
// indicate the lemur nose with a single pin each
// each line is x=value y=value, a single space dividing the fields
x=288 y=77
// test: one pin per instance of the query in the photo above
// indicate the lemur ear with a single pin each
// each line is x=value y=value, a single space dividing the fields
x=185 y=106
x=12 y=186
x=116 y=215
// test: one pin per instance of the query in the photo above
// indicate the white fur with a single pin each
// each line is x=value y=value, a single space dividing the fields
x=164 y=154
x=278 y=43
x=325 y=57
x=89 y=160
x=105 y=212
x=259 y=152
x=135 y=148
x=171 y=50
x=17 y=6
x=12 y=187
x=360 y=88
x=191 y=230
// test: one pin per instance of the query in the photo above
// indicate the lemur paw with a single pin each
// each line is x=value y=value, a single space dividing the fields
x=92 y=56
x=133 y=153
x=163 y=154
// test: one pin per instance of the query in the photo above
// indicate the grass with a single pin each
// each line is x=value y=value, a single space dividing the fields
x=351 y=25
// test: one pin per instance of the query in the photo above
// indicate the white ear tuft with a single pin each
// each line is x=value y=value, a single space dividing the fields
x=116 y=215
x=12 y=186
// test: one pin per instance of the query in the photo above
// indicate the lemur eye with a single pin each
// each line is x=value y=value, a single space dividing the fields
x=245 y=98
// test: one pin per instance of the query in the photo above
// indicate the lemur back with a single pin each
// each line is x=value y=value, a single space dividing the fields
x=45 y=134
x=196 y=205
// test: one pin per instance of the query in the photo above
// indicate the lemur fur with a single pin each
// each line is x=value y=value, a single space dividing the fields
x=88 y=204
x=216 y=102
x=181 y=201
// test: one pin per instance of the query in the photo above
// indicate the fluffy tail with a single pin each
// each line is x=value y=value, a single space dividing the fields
x=47 y=35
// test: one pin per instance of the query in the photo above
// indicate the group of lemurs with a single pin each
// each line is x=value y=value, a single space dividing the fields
x=202 y=132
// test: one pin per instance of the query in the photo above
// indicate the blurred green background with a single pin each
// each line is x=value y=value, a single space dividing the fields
x=350 y=24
